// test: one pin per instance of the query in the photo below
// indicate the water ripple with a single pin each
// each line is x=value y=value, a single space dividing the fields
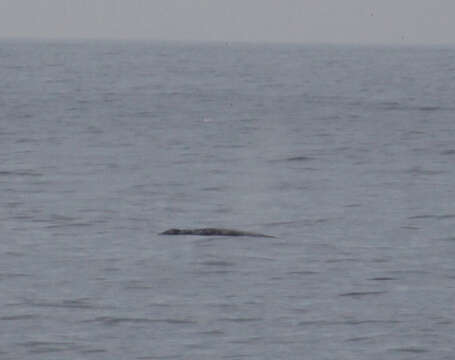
x=4 y=276
x=411 y=349
x=247 y=340
x=68 y=304
x=111 y=321
x=18 y=317
x=24 y=173
x=240 y=319
x=214 y=332
x=417 y=170
x=302 y=272
x=448 y=152
x=358 y=294
x=301 y=158
x=450 y=238
x=43 y=347
x=346 y=322
x=382 y=278
x=165 y=357
x=221 y=263
x=430 y=216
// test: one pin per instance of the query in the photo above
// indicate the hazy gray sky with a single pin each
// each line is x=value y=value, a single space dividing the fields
x=371 y=21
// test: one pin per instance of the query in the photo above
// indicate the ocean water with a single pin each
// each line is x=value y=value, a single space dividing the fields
x=345 y=154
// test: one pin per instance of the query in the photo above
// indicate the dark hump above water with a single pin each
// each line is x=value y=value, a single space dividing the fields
x=212 y=232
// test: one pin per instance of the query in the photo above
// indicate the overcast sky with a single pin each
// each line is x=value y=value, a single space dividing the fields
x=351 y=21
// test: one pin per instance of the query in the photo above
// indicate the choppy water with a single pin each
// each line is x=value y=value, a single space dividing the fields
x=345 y=154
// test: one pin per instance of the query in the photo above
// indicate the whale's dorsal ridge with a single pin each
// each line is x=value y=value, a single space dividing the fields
x=212 y=232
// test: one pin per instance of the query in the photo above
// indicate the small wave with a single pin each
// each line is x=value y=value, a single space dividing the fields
x=397 y=106
x=359 y=338
x=212 y=272
x=216 y=332
x=42 y=347
x=4 y=276
x=429 y=108
x=415 y=272
x=419 y=217
x=383 y=278
x=444 y=321
x=411 y=349
x=448 y=152
x=428 y=216
x=340 y=260
x=60 y=221
x=70 y=225
x=166 y=357
x=260 y=258
x=279 y=223
x=240 y=319
x=69 y=304
x=410 y=227
x=20 y=173
x=300 y=158
x=18 y=317
x=392 y=105
x=236 y=356
x=354 y=205
x=138 y=285
x=346 y=322
x=93 y=351
x=450 y=238
x=247 y=340
x=417 y=170
x=14 y=204
x=27 y=140
x=109 y=320
x=217 y=263
x=214 y=189
x=303 y=272
x=308 y=222
x=368 y=322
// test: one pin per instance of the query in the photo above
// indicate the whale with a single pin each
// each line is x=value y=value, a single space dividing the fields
x=213 y=232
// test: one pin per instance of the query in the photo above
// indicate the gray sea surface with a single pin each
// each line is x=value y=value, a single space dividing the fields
x=345 y=154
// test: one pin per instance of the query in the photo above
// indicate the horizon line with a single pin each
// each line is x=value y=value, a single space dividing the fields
x=224 y=42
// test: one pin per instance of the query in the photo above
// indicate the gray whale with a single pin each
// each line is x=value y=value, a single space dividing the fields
x=213 y=232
